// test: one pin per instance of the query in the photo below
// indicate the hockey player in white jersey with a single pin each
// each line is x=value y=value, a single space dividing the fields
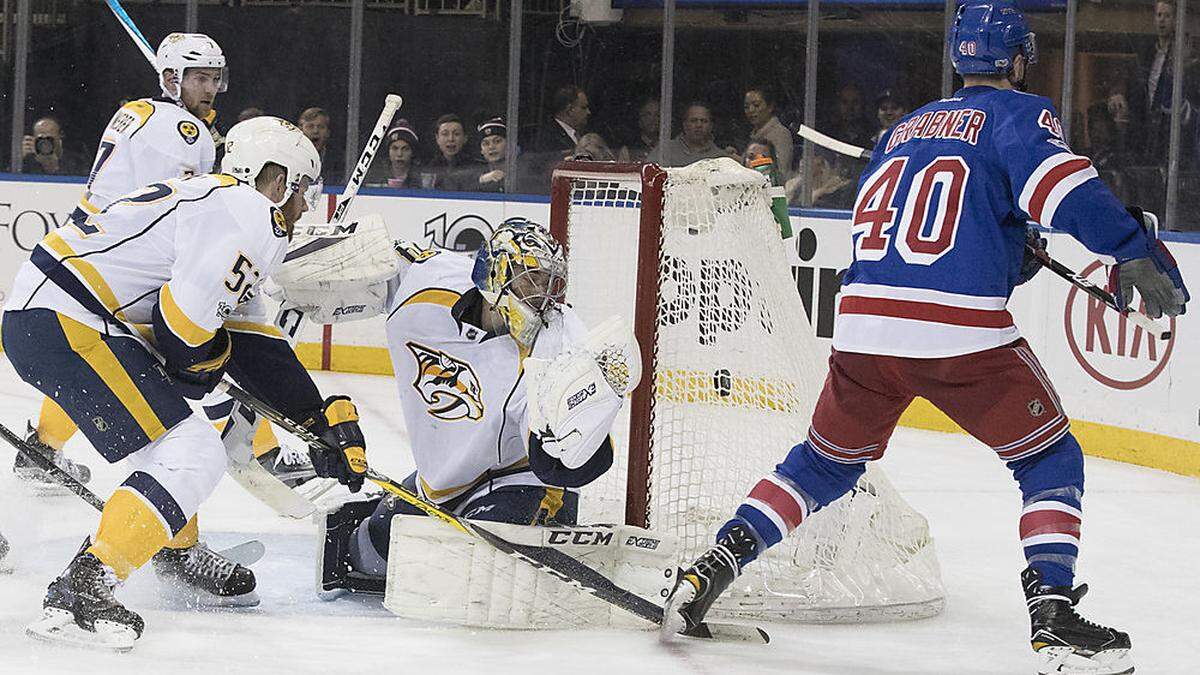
x=173 y=268
x=147 y=141
x=469 y=339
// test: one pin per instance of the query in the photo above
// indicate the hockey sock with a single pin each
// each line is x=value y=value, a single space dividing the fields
x=1052 y=490
x=54 y=427
x=264 y=438
x=803 y=483
x=130 y=533
x=188 y=537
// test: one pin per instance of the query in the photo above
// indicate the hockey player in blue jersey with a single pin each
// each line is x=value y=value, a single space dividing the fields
x=939 y=227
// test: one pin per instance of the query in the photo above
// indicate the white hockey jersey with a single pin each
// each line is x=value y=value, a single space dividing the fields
x=199 y=246
x=147 y=141
x=461 y=387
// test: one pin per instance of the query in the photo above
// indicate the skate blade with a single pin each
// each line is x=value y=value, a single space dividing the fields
x=183 y=596
x=58 y=626
x=1064 y=660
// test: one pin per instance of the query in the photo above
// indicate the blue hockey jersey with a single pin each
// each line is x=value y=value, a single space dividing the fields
x=940 y=217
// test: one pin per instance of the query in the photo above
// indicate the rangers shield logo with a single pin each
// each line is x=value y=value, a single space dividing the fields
x=448 y=385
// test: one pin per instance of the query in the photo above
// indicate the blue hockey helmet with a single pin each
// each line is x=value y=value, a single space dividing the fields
x=987 y=34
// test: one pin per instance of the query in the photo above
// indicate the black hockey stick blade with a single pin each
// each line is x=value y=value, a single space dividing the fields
x=46 y=464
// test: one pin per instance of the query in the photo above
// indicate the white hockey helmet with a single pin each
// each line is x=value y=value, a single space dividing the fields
x=251 y=144
x=180 y=51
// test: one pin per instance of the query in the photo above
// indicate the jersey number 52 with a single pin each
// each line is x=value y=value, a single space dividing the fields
x=927 y=216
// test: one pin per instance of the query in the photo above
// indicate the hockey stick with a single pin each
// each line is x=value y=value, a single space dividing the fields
x=551 y=561
x=131 y=28
x=46 y=464
x=391 y=104
x=1138 y=318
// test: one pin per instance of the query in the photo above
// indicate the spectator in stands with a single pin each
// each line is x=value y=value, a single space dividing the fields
x=694 y=143
x=760 y=156
x=1102 y=149
x=451 y=137
x=889 y=108
x=1157 y=94
x=400 y=170
x=486 y=174
x=571 y=114
x=250 y=113
x=649 y=117
x=593 y=146
x=850 y=123
x=43 y=151
x=758 y=104
x=314 y=123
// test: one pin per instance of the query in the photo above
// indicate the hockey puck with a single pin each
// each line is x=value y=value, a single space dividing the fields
x=723 y=382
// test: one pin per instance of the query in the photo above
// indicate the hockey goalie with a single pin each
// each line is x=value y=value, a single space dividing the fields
x=508 y=400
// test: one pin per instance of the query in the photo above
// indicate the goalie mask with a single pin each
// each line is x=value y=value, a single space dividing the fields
x=522 y=272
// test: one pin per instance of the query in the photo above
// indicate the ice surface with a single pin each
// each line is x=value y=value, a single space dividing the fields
x=1140 y=553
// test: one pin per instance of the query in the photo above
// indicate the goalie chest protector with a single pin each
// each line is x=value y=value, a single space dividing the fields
x=460 y=386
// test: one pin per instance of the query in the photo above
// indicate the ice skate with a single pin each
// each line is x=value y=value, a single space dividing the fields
x=1066 y=642
x=699 y=586
x=80 y=609
x=36 y=477
x=337 y=573
x=204 y=578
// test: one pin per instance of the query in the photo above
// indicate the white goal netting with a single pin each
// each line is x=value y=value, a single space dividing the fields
x=736 y=372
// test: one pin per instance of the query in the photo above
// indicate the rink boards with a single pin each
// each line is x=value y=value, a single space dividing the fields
x=1128 y=393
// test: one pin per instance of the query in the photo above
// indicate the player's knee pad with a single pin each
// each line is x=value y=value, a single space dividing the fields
x=1057 y=468
x=188 y=461
x=819 y=477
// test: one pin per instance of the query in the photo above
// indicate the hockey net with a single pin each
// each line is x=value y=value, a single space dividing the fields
x=693 y=257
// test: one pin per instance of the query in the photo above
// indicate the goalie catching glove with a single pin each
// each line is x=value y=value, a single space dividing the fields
x=574 y=398
x=345 y=457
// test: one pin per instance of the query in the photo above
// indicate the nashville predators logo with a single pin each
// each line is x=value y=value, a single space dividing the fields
x=189 y=131
x=279 y=226
x=448 y=385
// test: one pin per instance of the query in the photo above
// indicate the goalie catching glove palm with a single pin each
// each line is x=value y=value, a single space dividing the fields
x=345 y=457
x=574 y=398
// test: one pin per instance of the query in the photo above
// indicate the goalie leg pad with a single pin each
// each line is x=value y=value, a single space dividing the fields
x=336 y=571
x=440 y=574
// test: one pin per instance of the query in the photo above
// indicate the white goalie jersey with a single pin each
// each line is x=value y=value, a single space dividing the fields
x=461 y=387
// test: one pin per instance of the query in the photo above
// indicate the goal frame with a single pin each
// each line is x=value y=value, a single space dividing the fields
x=645 y=320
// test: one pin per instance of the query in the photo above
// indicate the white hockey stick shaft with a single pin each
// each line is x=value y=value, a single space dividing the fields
x=830 y=143
x=390 y=105
x=131 y=28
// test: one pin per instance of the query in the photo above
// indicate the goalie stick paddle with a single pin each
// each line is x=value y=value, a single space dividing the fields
x=551 y=561
x=1138 y=318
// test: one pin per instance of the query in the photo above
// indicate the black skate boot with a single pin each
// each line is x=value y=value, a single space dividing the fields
x=205 y=578
x=27 y=470
x=699 y=586
x=80 y=609
x=338 y=576
x=1065 y=641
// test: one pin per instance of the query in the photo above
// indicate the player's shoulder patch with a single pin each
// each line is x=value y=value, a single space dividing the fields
x=414 y=253
x=132 y=116
x=278 y=223
x=189 y=131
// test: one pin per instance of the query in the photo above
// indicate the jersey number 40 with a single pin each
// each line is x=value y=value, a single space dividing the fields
x=928 y=215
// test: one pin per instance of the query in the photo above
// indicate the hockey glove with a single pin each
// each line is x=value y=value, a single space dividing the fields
x=1030 y=265
x=346 y=456
x=1156 y=276
x=198 y=379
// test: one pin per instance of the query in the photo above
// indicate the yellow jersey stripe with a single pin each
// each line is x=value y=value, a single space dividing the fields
x=252 y=327
x=433 y=296
x=88 y=206
x=436 y=495
x=140 y=109
x=85 y=271
x=192 y=334
x=86 y=342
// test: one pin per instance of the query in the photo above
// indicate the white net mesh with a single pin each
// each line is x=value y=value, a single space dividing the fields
x=736 y=375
